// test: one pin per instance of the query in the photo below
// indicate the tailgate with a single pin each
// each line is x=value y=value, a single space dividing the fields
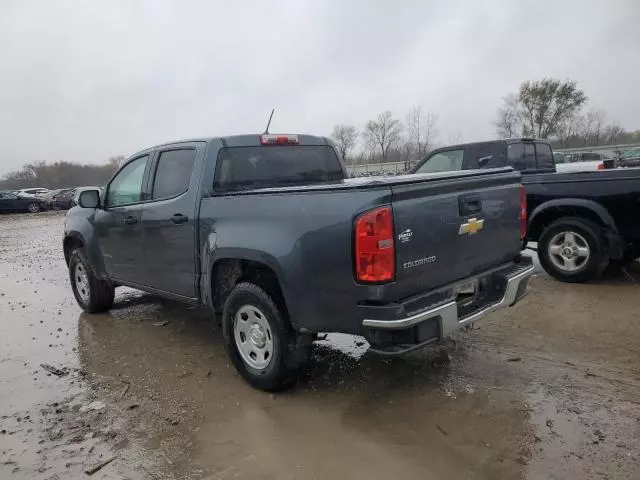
x=448 y=229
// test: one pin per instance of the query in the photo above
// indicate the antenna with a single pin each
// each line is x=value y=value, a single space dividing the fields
x=266 y=131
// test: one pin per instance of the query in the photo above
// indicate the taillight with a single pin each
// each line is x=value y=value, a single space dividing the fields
x=523 y=213
x=268 y=139
x=601 y=166
x=374 y=247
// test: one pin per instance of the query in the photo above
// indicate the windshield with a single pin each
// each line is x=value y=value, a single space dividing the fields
x=269 y=166
x=631 y=154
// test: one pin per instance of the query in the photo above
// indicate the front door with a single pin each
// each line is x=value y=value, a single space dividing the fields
x=117 y=224
x=168 y=219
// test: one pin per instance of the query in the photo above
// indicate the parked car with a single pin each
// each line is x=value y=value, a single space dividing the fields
x=11 y=202
x=630 y=158
x=267 y=231
x=581 y=220
x=64 y=200
x=55 y=198
x=32 y=192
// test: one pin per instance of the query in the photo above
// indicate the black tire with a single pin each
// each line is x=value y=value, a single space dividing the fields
x=289 y=353
x=33 y=207
x=97 y=295
x=591 y=233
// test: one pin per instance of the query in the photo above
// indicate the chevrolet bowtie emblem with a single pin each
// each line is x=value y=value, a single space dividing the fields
x=472 y=226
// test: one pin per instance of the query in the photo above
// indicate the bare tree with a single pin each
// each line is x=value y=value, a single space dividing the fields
x=422 y=130
x=114 y=162
x=345 y=137
x=591 y=126
x=508 y=123
x=384 y=132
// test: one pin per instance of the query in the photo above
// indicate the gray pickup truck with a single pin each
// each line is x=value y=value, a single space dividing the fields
x=267 y=231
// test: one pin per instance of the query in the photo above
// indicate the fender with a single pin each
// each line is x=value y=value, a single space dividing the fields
x=80 y=227
x=595 y=207
x=213 y=254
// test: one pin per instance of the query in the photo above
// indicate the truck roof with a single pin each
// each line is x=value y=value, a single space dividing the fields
x=244 y=140
x=501 y=140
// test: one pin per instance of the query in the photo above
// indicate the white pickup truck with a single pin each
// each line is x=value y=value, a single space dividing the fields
x=579 y=162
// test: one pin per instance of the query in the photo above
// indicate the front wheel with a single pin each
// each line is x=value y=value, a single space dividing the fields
x=92 y=294
x=259 y=340
x=33 y=207
x=571 y=250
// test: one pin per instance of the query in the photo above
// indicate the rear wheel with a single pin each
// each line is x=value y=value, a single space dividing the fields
x=259 y=340
x=33 y=207
x=571 y=250
x=92 y=294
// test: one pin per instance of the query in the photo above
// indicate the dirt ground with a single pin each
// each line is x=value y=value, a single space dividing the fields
x=549 y=389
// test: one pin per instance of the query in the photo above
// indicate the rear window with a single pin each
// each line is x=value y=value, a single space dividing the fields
x=544 y=154
x=241 y=168
x=591 y=157
x=515 y=156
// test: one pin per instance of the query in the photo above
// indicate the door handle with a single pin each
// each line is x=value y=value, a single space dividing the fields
x=469 y=204
x=179 y=218
x=130 y=220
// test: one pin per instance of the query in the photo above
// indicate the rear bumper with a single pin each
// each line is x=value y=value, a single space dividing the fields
x=398 y=328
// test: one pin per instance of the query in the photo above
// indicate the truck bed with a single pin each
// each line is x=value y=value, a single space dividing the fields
x=308 y=232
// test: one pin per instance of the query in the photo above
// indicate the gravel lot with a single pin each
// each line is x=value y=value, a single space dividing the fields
x=549 y=389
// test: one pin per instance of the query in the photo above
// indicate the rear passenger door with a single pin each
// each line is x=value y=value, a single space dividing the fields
x=169 y=219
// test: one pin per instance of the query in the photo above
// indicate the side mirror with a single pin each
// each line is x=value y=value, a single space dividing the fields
x=89 y=199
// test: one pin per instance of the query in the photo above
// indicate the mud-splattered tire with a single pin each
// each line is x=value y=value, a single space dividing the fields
x=583 y=242
x=263 y=347
x=92 y=294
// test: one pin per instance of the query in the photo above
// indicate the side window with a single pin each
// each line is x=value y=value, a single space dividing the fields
x=590 y=157
x=544 y=155
x=515 y=156
x=126 y=186
x=173 y=173
x=443 y=162
x=529 y=156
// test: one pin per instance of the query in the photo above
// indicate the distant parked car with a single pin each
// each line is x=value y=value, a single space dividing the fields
x=630 y=158
x=11 y=202
x=32 y=192
x=61 y=199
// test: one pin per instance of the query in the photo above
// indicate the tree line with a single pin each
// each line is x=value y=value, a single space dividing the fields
x=387 y=139
x=60 y=175
x=557 y=110
x=549 y=109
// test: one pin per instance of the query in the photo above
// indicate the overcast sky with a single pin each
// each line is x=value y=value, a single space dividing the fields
x=86 y=80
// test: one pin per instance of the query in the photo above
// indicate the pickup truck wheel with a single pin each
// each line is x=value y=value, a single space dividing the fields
x=92 y=294
x=571 y=250
x=258 y=339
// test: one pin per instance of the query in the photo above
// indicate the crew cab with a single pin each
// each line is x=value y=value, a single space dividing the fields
x=267 y=231
x=582 y=221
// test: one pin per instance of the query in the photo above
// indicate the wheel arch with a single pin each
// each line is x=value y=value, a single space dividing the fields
x=70 y=242
x=228 y=271
x=545 y=214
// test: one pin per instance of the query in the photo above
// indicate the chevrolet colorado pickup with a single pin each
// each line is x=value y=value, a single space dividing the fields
x=582 y=221
x=267 y=231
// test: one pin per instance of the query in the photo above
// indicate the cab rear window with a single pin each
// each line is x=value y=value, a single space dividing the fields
x=241 y=168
